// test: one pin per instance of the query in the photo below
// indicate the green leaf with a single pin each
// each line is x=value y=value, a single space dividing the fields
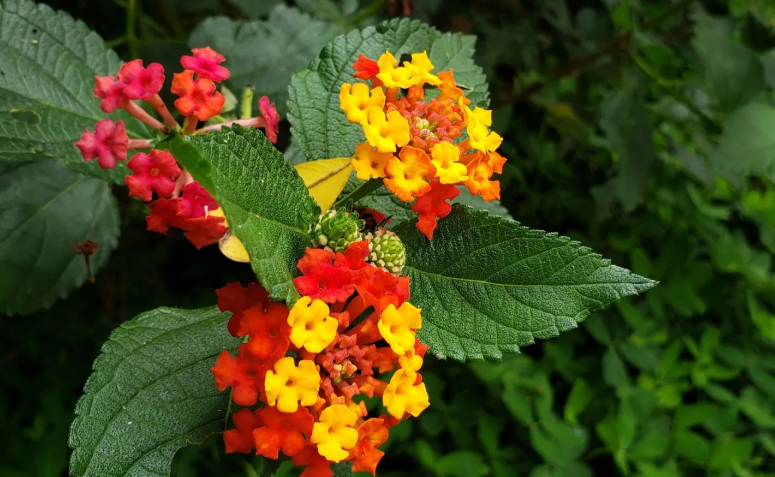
x=265 y=201
x=47 y=67
x=317 y=123
x=150 y=394
x=189 y=157
x=747 y=144
x=732 y=72
x=488 y=285
x=266 y=53
x=45 y=210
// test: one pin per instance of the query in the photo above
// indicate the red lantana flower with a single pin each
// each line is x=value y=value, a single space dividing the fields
x=206 y=62
x=202 y=231
x=108 y=143
x=152 y=172
x=110 y=91
x=141 y=82
x=269 y=330
x=434 y=205
x=365 y=68
x=198 y=97
x=236 y=299
x=322 y=279
x=196 y=200
x=282 y=431
x=244 y=373
x=240 y=439
x=315 y=464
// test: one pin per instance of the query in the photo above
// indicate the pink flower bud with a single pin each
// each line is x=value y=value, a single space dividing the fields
x=110 y=91
x=206 y=63
x=141 y=82
x=272 y=119
x=108 y=143
x=152 y=172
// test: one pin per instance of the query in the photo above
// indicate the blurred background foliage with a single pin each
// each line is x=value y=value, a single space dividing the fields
x=645 y=129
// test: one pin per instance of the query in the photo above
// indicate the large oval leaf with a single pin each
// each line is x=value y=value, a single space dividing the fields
x=151 y=393
x=45 y=210
x=321 y=128
x=47 y=67
x=488 y=285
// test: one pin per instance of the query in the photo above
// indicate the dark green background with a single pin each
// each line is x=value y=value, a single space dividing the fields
x=628 y=125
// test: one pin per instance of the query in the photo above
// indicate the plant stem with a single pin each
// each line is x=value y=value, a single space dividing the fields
x=131 y=38
x=255 y=122
x=362 y=191
x=246 y=103
x=161 y=108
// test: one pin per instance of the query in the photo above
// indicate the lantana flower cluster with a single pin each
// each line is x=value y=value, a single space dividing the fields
x=413 y=122
x=305 y=374
x=175 y=198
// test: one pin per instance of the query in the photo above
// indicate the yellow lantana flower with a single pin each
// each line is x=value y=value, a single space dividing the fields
x=385 y=132
x=356 y=99
x=445 y=157
x=289 y=385
x=479 y=136
x=421 y=67
x=392 y=76
x=402 y=396
x=410 y=361
x=335 y=434
x=408 y=173
x=311 y=326
x=397 y=326
x=369 y=163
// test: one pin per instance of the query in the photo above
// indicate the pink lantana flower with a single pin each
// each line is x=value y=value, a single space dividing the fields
x=206 y=62
x=108 y=143
x=141 y=82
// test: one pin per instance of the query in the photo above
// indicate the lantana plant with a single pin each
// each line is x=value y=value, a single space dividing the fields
x=367 y=262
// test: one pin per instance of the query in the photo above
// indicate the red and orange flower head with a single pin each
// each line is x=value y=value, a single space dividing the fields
x=308 y=366
x=413 y=137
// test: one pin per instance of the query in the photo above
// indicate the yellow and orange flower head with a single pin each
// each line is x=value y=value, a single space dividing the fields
x=290 y=385
x=335 y=433
x=402 y=395
x=369 y=163
x=312 y=328
x=357 y=99
x=409 y=173
x=397 y=326
x=385 y=132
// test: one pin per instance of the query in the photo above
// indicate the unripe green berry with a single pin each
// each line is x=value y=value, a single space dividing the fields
x=386 y=251
x=336 y=229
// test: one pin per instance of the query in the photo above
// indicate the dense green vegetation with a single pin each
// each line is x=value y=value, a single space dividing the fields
x=645 y=130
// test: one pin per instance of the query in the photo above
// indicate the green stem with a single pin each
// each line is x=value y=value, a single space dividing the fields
x=246 y=103
x=144 y=19
x=359 y=193
x=249 y=470
x=131 y=38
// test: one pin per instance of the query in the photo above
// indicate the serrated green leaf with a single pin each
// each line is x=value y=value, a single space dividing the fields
x=266 y=53
x=732 y=72
x=317 y=123
x=150 y=394
x=47 y=67
x=265 y=201
x=189 y=157
x=488 y=285
x=45 y=210
x=747 y=144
